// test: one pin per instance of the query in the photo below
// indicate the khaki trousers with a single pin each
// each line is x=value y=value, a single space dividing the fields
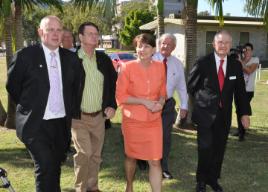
x=88 y=137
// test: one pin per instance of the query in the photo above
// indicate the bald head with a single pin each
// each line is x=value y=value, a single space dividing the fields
x=50 y=32
x=222 y=43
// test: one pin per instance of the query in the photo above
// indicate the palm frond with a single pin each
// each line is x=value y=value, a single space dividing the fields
x=217 y=6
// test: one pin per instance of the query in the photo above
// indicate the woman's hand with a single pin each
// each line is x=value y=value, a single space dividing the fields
x=157 y=107
x=149 y=104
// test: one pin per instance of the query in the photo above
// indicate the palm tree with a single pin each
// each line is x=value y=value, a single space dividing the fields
x=258 y=8
x=160 y=18
x=108 y=7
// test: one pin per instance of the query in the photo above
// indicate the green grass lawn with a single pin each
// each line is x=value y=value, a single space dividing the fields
x=244 y=168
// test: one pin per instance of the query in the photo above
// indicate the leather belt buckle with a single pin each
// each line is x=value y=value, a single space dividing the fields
x=94 y=114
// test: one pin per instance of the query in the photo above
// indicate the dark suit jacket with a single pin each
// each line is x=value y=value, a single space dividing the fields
x=203 y=85
x=28 y=85
x=105 y=66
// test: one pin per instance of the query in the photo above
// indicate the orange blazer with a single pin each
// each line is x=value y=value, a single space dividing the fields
x=142 y=82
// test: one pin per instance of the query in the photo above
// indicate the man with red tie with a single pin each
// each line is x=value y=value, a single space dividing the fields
x=213 y=81
x=175 y=82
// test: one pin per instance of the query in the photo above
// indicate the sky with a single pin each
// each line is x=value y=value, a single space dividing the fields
x=234 y=7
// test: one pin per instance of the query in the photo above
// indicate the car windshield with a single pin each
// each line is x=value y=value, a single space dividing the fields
x=126 y=56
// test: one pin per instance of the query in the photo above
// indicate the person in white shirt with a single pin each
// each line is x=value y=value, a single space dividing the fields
x=175 y=81
x=249 y=66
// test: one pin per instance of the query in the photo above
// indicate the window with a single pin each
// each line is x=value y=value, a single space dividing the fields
x=244 y=38
x=209 y=39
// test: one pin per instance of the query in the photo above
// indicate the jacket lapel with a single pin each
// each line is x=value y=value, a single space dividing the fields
x=214 y=73
x=41 y=61
x=227 y=74
x=63 y=69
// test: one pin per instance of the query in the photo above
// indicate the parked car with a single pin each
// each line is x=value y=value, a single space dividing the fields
x=119 y=58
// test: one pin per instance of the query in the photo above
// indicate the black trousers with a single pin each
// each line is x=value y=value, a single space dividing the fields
x=241 y=129
x=168 y=119
x=48 y=150
x=211 y=147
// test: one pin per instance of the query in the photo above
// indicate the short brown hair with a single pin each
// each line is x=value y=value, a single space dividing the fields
x=144 y=38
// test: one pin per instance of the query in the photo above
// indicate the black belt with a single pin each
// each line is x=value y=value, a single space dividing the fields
x=94 y=114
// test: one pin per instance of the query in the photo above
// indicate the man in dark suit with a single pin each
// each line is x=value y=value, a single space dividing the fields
x=43 y=80
x=213 y=82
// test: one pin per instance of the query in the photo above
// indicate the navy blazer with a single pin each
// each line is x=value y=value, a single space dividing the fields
x=203 y=85
x=28 y=85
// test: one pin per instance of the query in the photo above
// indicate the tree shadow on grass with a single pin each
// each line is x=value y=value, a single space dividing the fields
x=18 y=157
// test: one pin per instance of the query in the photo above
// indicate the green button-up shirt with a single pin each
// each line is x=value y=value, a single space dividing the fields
x=93 y=90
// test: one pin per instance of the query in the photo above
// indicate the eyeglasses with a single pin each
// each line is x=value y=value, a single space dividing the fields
x=90 y=34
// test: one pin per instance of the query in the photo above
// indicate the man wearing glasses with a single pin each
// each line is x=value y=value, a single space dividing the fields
x=96 y=104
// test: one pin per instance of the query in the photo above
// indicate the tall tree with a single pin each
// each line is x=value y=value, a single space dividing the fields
x=258 y=8
x=108 y=7
x=160 y=18
x=132 y=23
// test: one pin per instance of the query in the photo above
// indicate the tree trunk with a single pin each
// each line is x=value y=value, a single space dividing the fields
x=10 y=121
x=160 y=25
x=18 y=28
x=3 y=114
x=190 y=36
x=160 y=18
x=191 y=44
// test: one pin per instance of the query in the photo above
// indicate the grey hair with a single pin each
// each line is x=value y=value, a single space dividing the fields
x=168 y=35
x=223 y=32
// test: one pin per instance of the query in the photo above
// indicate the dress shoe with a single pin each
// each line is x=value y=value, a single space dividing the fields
x=201 y=187
x=241 y=137
x=167 y=175
x=215 y=187
x=236 y=134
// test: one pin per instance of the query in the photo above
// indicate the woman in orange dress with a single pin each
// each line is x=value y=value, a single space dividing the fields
x=141 y=92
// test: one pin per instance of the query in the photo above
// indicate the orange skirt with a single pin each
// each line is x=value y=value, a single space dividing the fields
x=142 y=139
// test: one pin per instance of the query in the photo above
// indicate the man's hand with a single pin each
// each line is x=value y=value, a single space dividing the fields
x=183 y=113
x=245 y=121
x=109 y=112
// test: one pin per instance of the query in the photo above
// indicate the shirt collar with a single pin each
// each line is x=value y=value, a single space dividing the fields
x=48 y=51
x=218 y=58
x=82 y=54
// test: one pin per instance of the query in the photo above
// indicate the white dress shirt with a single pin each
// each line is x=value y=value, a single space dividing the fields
x=175 y=78
x=218 y=60
x=49 y=114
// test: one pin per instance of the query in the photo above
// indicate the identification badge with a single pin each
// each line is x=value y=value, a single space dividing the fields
x=232 y=77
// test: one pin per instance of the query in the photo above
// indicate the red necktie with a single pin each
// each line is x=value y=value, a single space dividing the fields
x=165 y=65
x=221 y=75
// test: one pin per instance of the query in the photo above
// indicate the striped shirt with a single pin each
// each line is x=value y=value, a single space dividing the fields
x=93 y=90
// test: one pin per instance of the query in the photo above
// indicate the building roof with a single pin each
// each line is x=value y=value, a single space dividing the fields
x=208 y=20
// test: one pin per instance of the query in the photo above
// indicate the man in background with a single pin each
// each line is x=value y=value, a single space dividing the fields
x=68 y=40
x=175 y=82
